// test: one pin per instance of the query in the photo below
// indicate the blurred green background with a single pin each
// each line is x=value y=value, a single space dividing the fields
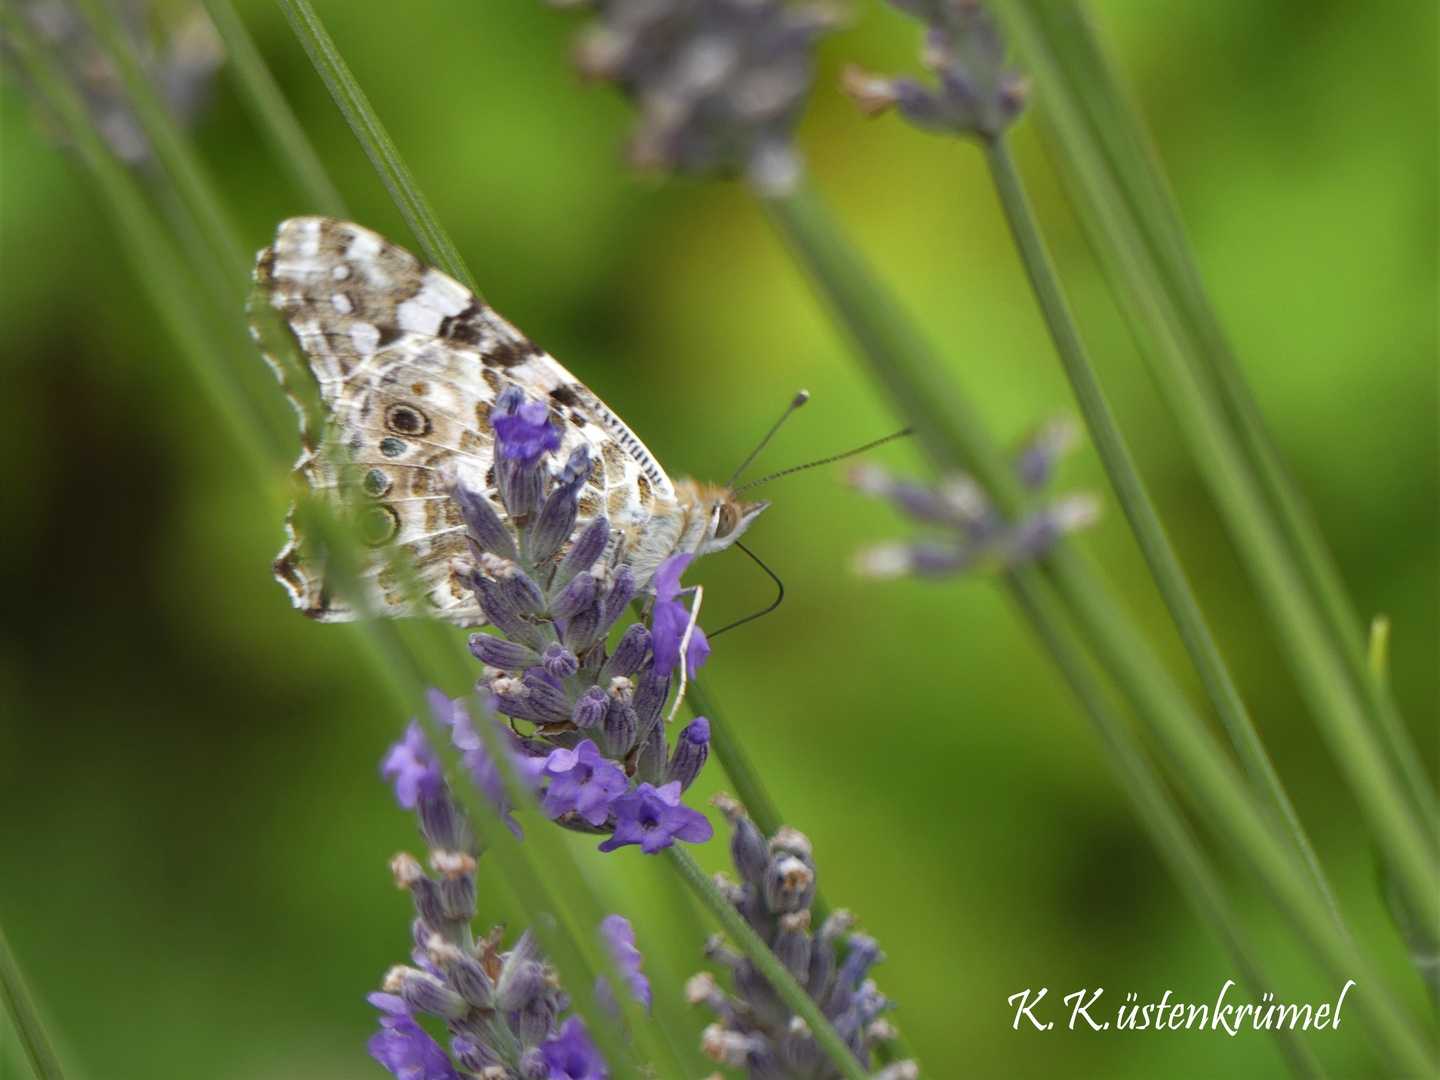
x=193 y=836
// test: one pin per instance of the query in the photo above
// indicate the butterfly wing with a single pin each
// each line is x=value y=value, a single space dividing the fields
x=408 y=363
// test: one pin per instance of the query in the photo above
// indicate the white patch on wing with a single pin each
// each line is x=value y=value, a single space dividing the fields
x=365 y=337
x=418 y=317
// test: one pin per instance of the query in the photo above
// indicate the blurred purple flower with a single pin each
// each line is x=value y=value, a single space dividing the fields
x=583 y=780
x=618 y=937
x=476 y=759
x=670 y=618
x=404 y=1047
x=572 y=1056
x=413 y=768
x=655 y=818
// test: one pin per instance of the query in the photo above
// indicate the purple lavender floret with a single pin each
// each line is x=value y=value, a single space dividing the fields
x=582 y=780
x=405 y=1048
x=571 y=1055
x=412 y=767
x=475 y=755
x=618 y=937
x=655 y=818
x=670 y=617
x=523 y=428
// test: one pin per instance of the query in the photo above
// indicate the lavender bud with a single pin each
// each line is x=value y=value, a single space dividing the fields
x=727 y=1047
x=651 y=763
x=560 y=661
x=864 y=953
x=792 y=943
x=801 y=1050
x=629 y=653
x=473 y=1055
x=840 y=921
x=482 y=524
x=822 y=968
x=557 y=517
x=702 y=989
x=691 y=750
x=522 y=593
x=622 y=591
x=650 y=693
x=500 y=611
x=585 y=551
x=621 y=728
x=537 y=1018
x=520 y=982
x=457 y=883
x=442 y=826
x=583 y=629
x=789 y=884
x=426 y=993
x=500 y=653
x=430 y=906
x=749 y=852
x=463 y=972
x=533 y=1065
x=521 y=486
x=751 y=986
x=748 y=903
x=575 y=597
x=1036 y=463
x=590 y=709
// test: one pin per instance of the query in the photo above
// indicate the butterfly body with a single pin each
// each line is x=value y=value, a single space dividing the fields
x=408 y=364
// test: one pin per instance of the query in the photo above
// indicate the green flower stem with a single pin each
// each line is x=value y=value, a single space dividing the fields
x=273 y=113
x=161 y=269
x=1395 y=819
x=749 y=789
x=439 y=249
x=775 y=973
x=1140 y=509
x=25 y=1018
x=1071 y=65
x=1105 y=159
x=857 y=302
x=1156 y=808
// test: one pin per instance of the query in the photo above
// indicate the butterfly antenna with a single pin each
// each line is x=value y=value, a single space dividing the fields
x=800 y=399
x=824 y=461
x=764 y=611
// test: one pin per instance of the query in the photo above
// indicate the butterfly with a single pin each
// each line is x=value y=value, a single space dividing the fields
x=408 y=363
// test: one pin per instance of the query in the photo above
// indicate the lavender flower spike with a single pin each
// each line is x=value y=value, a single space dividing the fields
x=503 y=1010
x=411 y=765
x=976 y=93
x=719 y=85
x=655 y=818
x=755 y=1029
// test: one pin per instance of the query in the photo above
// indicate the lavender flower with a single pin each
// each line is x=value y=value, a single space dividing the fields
x=719 y=85
x=756 y=1031
x=618 y=937
x=975 y=94
x=655 y=818
x=670 y=619
x=583 y=781
x=503 y=1011
x=404 y=1047
x=571 y=1055
x=970 y=534
x=553 y=588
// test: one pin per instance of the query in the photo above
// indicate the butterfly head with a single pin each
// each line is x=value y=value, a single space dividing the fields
x=723 y=517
